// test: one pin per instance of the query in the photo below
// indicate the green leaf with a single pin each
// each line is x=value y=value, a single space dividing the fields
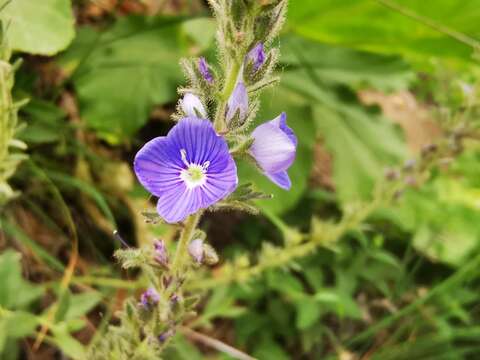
x=38 y=27
x=182 y=349
x=268 y=349
x=285 y=283
x=81 y=304
x=340 y=65
x=442 y=215
x=45 y=122
x=68 y=344
x=122 y=72
x=201 y=31
x=308 y=312
x=362 y=145
x=221 y=304
x=15 y=292
x=369 y=25
x=20 y=324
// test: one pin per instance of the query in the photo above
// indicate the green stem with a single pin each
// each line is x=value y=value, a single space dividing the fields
x=182 y=248
x=230 y=82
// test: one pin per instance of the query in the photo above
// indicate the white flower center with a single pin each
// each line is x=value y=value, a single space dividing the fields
x=195 y=174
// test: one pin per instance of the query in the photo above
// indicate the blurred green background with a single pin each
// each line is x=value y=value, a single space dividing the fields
x=367 y=86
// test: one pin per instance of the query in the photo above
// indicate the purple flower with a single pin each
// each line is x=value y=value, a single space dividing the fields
x=238 y=101
x=149 y=298
x=195 y=249
x=161 y=255
x=203 y=68
x=256 y=56
x=189 y=169
x=274 y=146
x=192 y=106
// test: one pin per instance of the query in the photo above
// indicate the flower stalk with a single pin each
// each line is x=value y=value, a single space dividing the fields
x=181 y=254
x=192 y=170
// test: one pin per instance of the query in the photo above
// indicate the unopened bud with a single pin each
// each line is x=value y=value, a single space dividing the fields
x=238 y=103
x=210 y=255
x=192 y=106
x=204 y=70
x=166 y=335
x=195 y=249
x=161 y=255
x=149 y=298
x=256 y=56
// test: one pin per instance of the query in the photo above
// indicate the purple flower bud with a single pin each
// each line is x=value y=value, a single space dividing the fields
x=166 y=335
x=195 y=249
x=238 y=102
x=203 y=68
x=161 y=255
x=149 y=298
x=192 y=106
x=274 y=147
x=256 y=56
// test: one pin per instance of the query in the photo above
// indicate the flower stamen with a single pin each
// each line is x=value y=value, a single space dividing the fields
x=194 y=175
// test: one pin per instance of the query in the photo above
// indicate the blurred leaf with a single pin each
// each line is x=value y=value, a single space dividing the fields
x=20 y=324
x=443 y=216
x=25 y=240
x=300 y=120
x=308 y=312
x=201 y=31
x=45 y=122
x=268 y=349
x=220 y=304
x=62 y=305
x=68 y=344
x=327 y=296
x=340 y=65
x=182 y=349
x=285 y=283
x=38 y=27
x=368 y=25
x=15 y=292
x=362 y=145
x=81 y=304
x=122 y=72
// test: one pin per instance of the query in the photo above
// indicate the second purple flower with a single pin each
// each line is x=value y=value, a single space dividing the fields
x=273 y=148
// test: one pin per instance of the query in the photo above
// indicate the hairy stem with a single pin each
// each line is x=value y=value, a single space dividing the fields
x=182 y=248
x=230 y=82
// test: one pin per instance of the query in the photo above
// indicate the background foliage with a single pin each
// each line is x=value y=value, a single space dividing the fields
x=330 y=269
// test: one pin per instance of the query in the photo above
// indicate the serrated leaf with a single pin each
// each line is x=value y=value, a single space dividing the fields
x=122 y=72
